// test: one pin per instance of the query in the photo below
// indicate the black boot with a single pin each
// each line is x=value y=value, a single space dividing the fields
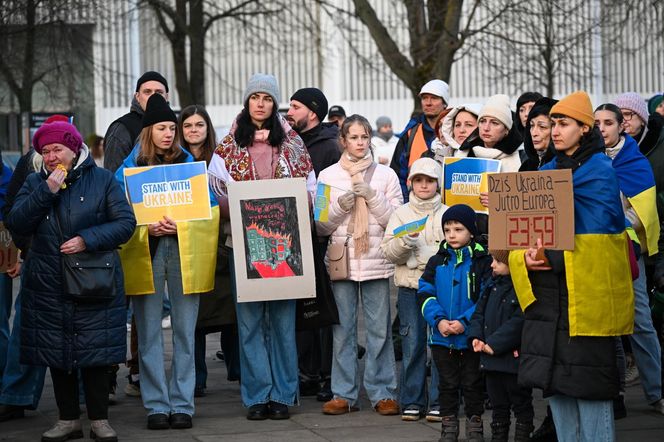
x=546 y=432
x=450 y=431
x=474 y=429
x=500 y=431
x=522 y=431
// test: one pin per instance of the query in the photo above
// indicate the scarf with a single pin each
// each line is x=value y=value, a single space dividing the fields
x=590 y=145
x=360 y=214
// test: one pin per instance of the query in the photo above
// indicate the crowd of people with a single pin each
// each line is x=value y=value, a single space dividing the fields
x=487 y=326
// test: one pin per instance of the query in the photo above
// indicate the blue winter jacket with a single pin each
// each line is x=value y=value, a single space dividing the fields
x=449 y=289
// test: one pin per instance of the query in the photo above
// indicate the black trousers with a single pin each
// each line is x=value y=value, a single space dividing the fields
x=314 y=349
x=459 y=370
x=95 y=384
x=505 y=393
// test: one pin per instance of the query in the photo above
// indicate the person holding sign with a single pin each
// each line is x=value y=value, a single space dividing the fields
x=181 y=255
x=576 y=301
x=357 y=218
x=637 y=189
x=410 y=254
x=71 y=206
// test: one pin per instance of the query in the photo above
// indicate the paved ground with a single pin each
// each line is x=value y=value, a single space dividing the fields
x=220 y=416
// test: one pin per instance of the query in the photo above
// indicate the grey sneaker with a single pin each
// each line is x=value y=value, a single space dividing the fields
x=659 y=406
x=63 y=430
x=101 y=431
x=631 y=376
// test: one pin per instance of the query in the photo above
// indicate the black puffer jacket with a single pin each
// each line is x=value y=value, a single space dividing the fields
x=582 y=367
x=55 y=331
x=323 y=146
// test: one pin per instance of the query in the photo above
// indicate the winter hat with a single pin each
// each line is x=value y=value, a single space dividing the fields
x=56 y=117
x=527 y=97
x=463 y=214
x=541 y=107
x=654 y=102
x=336 y=111
x=382 y=122
x=265 y=83
x=633 y=102
x=438 y=88
x=157 y=110
x=314 y=99
x=151 y=76
x=57 y=132
x=427 y=167
x=498 y=107
x=576 y=105
x=501 y=255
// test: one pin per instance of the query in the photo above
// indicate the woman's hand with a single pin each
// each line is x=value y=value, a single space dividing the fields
x=364 y=190
x=155 y=229
x=484 y=199
x=169 y=226
x=74 y=245
x=55 y=180
x=346 y=201
x=535 y=258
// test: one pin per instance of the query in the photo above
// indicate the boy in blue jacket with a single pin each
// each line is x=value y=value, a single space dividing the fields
x=495 y=334
x=448 y=291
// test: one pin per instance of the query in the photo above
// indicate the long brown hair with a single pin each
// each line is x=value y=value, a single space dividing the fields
x=147 y=155
x=210 y=142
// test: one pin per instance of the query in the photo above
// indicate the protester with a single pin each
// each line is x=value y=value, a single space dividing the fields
x=262 y=145
x=524 y=104
x=363 y=196
x=447 y=307
x=656 y=104
x=71 y=206
x=567 y=344
x=160 y=254
x=410 y=253
x=453 y=129
x=537 y=136
x=383 y=141
x=216 y=310
x=419 y=133
x=495 y=333
x=336 y=115
x=96 y=144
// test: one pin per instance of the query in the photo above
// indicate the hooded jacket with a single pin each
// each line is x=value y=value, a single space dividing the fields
x=445 y=145
x=56 y=331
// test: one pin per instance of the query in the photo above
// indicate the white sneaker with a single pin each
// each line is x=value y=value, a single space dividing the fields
x=166 y=322
x=631 y=376
x=433 y=415
x=128 y=326
x=659 y=406
x=101 y=430
x=63 y=430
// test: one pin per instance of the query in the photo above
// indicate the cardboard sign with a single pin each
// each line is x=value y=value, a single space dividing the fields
x=463 y=179
x=8 y=251
x=272 y=243
x=179 y=191
x=525 y=206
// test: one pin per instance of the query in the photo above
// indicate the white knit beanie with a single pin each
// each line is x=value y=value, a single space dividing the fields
x=264 y=83
x=498 y=107
x=633 y=102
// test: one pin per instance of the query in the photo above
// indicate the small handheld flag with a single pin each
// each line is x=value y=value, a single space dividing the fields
x=322 y=203
x=412 y=227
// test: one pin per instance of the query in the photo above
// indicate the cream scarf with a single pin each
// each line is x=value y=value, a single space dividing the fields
x=360 y=214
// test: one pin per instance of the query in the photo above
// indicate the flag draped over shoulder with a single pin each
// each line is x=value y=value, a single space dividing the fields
x=597 y=271
x=637 y=183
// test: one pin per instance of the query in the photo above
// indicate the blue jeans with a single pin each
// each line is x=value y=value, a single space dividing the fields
x=645 y=344
x=413 y=331
x=581 y=420
x=19 y=384
x=380 y=380
x=176 y=395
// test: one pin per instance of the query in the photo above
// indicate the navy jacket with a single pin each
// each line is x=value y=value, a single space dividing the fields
x=55 y=331
x=498 y=322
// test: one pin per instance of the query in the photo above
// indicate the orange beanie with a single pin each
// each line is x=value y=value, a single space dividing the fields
x=576 y=105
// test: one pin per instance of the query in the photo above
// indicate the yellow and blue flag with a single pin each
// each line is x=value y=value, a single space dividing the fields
x=411 y=227
x=322 y=203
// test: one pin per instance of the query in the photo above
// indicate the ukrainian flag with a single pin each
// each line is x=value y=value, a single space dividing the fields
x=637 y=183
x=597 y=271
x=411 y=227
x=322 y=203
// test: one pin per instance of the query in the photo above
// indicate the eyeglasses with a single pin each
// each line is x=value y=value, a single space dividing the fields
x=627 y=115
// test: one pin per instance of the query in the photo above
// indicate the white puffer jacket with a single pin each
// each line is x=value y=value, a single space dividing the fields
x=385 y=183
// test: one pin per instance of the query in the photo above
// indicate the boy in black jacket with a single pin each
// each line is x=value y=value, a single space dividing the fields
x=495 y=332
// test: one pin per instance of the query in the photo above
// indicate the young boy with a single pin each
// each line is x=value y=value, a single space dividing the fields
x=448 y=291
x=495 y=334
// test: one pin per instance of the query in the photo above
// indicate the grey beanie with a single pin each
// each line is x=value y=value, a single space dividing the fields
x=383 y=121
x=265 y=83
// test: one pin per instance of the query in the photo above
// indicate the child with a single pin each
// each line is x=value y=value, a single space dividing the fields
x=495 y=333
x=448 y=291
x=411 y=253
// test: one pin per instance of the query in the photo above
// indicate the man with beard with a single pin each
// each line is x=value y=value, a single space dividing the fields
x=308 y=108
x=384 y=142
x=416 y=138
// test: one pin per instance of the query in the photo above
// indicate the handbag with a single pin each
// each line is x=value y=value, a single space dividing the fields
x=88 y=277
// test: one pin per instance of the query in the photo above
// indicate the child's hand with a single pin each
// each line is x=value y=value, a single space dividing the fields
x=484 y=199
x=487 y=349
x=457 y=327
x=444 y=328
x=478 y=345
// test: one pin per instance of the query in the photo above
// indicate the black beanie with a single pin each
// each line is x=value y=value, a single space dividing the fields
x=541 y=107
x=151 y=76
x=463 y=214
x=157 y=110
x=314 y=99
x=527 y=97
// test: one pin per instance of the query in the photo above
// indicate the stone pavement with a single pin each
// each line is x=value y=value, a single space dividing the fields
x=220 y=416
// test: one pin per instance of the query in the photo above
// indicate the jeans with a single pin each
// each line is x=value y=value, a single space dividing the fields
x=95 y=385
x=20 y=385
x=176 y=396
x=459 y=370
x=380 y=379
x=582 y=420
x=413 y=330
x=645 y=344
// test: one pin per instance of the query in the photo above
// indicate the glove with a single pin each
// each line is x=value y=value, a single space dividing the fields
x=346 y=201
x=363 y=190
